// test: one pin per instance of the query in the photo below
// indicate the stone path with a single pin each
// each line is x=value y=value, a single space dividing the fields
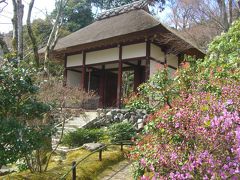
x=72 y=125
x=120 y=171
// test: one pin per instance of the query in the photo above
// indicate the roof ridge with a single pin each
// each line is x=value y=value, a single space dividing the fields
x=136 y=5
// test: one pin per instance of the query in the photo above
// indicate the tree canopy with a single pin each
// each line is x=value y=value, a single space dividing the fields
x=76 y=14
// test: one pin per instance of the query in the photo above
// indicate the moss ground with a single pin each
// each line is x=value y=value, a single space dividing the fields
x=87 y=169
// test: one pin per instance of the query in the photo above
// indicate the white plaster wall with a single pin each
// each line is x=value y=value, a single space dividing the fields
x=134 y=50
x=74 y=60
x=154 y=67
x=156 y=53
x=172 y=60
x=102 y=56
x=73 y=78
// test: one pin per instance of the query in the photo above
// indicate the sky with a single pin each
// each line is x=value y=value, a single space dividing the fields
x=41 y=7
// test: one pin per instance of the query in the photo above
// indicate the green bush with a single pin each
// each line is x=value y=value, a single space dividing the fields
x=137 y=102
x=121 y=131
x=82 y=136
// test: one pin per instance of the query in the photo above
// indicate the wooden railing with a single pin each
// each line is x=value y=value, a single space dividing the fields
x=100 y=151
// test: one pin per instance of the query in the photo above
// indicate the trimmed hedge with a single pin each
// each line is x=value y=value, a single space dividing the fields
x=121 y=131
x=82 y=136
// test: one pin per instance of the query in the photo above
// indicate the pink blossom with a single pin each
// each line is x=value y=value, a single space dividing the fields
x=174 y=156
x=145 y=177
x=143 y=162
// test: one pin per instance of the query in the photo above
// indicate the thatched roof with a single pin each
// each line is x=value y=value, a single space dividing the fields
x=133 y=20
x=122 y=24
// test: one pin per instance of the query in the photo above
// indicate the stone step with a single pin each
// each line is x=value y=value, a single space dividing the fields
x=75 y=126
x=70 y=126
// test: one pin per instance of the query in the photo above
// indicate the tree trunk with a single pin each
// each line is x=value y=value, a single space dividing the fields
x=223 y=14
x=230 y=6
x=15 y=26
x=31 y=35
x=20 y=29
x=238 y=8
x=53 y=37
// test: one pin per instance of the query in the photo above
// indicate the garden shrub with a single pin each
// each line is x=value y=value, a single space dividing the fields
x=121 y=131
x=81 y=136
x=135 y=101
x=197 y=136
x=157 y=92
x=23 y=130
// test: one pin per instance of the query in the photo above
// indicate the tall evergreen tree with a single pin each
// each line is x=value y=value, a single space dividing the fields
x=76 y=14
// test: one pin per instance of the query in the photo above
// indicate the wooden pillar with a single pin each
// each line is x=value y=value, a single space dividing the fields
x=83 y=71
x=101 y=87
x=89 y=79
x=65 y=71
x=147 y=66
x=180 y=59
x=137 y=76
x=119 y=83
x=165 y=58
x=74 y=172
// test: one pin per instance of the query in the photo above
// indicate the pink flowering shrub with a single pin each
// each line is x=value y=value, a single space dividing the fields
x=196 y=135
x=198 y=138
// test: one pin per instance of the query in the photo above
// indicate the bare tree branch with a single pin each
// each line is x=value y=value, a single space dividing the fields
x=223 y=14
x=31 y=35
x=20 y=8
x=15 y=26
x=6 y=3
x=53 y=37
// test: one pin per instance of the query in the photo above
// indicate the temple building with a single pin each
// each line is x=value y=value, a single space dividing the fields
x=127 y=38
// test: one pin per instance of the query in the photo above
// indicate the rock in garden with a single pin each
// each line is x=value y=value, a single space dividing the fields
x=102 y=115
x=113 y=112
x=127 y=115
x=139 y=121
x=93 y=146
x=140 y=126
x=115 y=118
x=120 y=116
x=124 y=111
x=132 y=119
x=145 y=117
x=144 y=111
x=109 y=115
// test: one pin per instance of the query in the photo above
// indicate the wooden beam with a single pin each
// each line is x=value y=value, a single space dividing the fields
x=74 y=70
x=139 y=62
x=123 y=69
x=165 y=57
x=102 y=87
x=147 y=66
x=119 y=83
x=111 y=62
x=137 y=77
x=89 y=80
x=130 y=64
x=83 y=72
x=180 y=59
